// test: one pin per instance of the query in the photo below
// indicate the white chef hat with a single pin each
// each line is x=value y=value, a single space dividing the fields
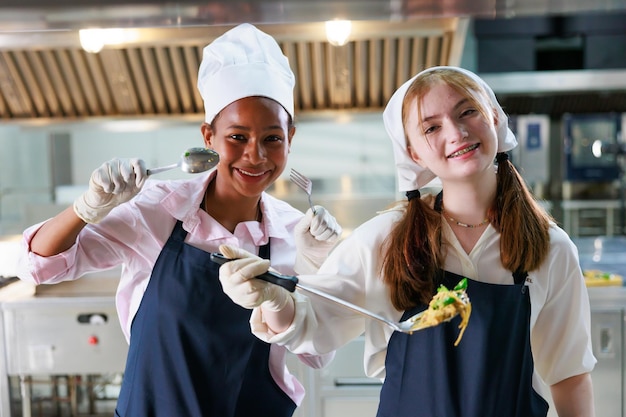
x=244 y=62
x=411 y=175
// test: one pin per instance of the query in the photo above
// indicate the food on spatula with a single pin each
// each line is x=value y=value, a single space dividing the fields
x=445 y=305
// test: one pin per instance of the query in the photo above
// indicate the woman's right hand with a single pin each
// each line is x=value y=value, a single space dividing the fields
x=113 y=183
x=239 y=283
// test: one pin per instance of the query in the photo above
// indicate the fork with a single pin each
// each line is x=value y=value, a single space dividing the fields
x=304 y=183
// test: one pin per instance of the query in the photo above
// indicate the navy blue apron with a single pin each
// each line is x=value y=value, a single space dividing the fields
x=191 y=350
x=489 y=374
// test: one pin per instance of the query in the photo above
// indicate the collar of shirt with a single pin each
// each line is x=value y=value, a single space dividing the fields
x=183 y=203
x=482 y=263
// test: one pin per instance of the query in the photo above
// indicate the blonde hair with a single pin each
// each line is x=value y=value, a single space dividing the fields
x=413 y=254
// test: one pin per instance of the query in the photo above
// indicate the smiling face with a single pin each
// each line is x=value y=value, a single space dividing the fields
x=449 y=133
x=252 y=137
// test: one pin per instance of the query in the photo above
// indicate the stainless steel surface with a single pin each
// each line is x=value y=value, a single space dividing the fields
x=608 y=314
x=70 y=328
x=607 y=332
x=304 y=183
x=63 y=336
x=573 y=81
x=557 y=104
x=405 y=326
x=192 y=161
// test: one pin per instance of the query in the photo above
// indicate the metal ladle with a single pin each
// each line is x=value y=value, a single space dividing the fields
x=290 y=283
x=193 y=161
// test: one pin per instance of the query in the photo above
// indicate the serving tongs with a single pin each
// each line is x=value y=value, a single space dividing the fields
x=290 y=283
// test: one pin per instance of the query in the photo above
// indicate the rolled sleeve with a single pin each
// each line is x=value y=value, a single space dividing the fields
x=42 y=269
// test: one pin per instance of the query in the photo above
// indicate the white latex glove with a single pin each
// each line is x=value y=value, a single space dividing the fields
x=114 y=183
x=239 y=283
x=315 y=234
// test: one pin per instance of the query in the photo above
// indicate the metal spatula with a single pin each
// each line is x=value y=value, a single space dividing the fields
x=290 y=283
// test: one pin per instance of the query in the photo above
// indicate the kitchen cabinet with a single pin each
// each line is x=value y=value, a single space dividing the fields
x=608 y=313
x=608 y=346
x=63 y=337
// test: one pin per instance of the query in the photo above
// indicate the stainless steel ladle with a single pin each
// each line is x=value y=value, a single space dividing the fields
x=193 y=161
x=290 y=283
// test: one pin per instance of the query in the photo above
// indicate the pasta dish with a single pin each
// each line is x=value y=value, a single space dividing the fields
x=444 y=306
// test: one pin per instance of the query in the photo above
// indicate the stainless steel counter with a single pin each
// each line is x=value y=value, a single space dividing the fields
x=69 y=328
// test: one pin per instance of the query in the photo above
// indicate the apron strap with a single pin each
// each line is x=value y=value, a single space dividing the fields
x=264 y=251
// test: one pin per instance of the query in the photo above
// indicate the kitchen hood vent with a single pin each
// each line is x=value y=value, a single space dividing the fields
x=47 y=76
x=558 y=92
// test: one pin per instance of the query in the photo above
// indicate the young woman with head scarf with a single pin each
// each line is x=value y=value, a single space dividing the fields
x=528 y=335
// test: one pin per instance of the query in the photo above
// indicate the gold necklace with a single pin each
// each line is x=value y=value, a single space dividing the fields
x=458 y=223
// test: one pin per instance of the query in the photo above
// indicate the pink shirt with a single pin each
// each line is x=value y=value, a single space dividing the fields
x=133 y=234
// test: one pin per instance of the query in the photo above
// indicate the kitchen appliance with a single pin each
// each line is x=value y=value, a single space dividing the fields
x=66 y=329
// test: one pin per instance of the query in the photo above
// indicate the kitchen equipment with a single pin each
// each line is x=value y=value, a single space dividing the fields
x=290 y=283
x=303 y=182
x=193 y=161
x=69 y=329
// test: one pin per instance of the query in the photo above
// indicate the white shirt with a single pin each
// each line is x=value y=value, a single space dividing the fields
x=134 y=233
x=560 y=311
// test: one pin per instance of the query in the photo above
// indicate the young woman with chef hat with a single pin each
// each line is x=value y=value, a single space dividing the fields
x=528 y=334
x=191 y=350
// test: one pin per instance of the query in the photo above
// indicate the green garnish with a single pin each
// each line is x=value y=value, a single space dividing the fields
x=462 y=285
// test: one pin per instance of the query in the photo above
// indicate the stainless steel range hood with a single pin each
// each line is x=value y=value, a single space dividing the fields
x=551 y=82
x=45 y=75
x=557 y=92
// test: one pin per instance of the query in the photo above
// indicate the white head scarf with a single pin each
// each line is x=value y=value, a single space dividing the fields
x=244 y=62
x=412 y=176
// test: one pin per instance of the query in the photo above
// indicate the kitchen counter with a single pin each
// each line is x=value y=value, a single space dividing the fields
x=69 y=328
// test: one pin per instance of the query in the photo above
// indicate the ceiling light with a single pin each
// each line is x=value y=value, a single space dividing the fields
x=91 y=40
x=338 y=31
